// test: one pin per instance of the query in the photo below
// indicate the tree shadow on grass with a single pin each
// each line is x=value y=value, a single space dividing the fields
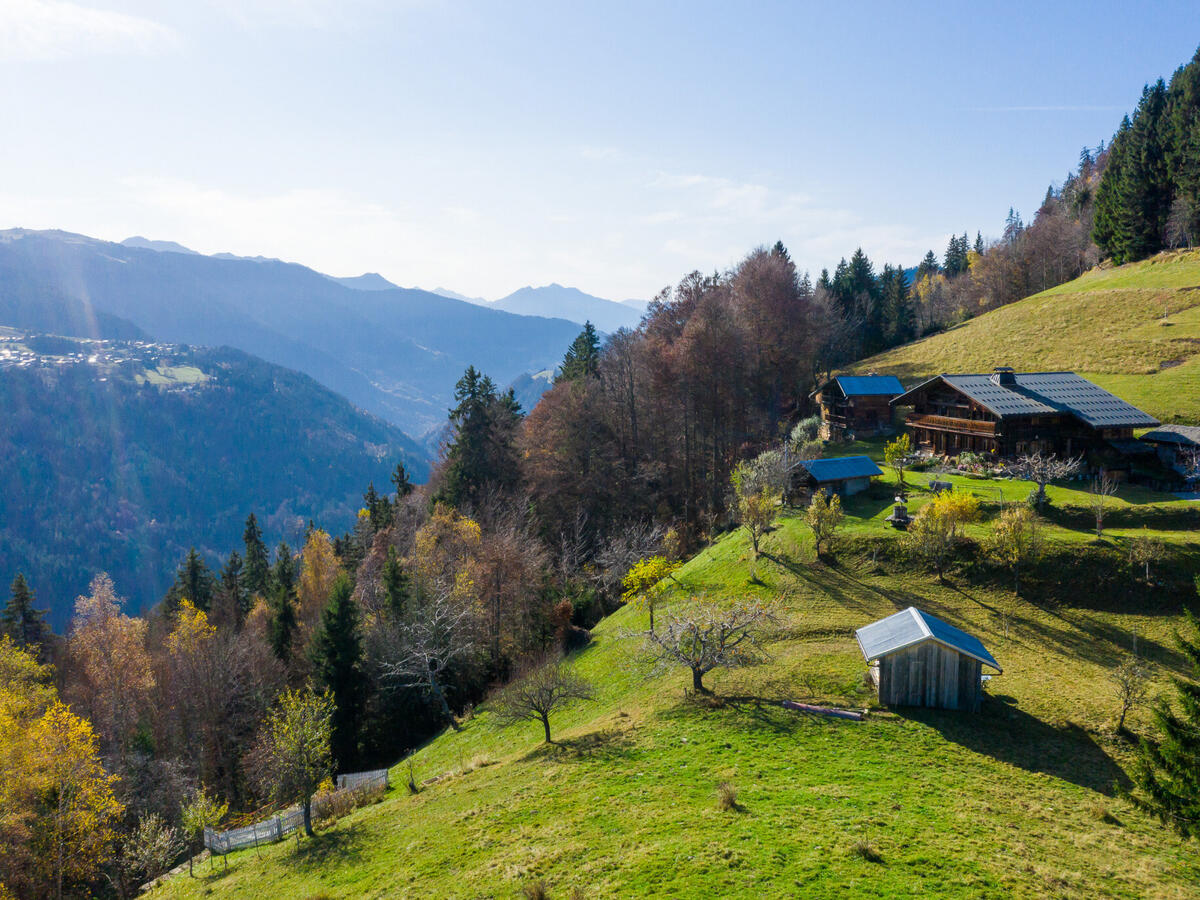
x=603 y=744
x=336 y=846
x=1008 y=734
x=762 y=711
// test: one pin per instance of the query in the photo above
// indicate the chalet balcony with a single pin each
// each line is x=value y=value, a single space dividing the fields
x=946 y=423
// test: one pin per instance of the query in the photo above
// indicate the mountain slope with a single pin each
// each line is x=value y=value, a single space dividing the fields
x=1015 y=801
x=368 y=281
x=1134 y=330
x=396 y=353
x=570 y=303
x=119 y=456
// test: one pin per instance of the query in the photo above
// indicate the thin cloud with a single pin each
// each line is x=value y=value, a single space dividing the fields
x=47 y=30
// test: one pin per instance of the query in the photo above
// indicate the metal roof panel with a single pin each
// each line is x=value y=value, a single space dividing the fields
x=911 y=626
x=840 y=467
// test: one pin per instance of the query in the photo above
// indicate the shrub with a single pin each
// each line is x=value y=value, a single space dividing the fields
x=727 y=797
x=536 y=890
x=864 y=851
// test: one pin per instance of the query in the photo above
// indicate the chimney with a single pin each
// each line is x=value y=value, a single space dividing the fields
x=1004 y=376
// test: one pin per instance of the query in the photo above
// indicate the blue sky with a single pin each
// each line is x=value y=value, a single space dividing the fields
x=611 y=146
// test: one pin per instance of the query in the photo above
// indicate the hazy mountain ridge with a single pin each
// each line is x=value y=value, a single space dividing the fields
x=570 y=303
x=396 y=352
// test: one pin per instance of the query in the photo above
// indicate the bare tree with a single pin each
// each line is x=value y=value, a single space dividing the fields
x=1042 y=469
x=621 y=552
x=544 y=688
x=1102 y=487
x=704 y=635
x=439 y=634
x=1132 y=682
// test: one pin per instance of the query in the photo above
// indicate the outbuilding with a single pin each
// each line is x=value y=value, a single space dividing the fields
x=857 y=405
x=841 y=475
x=919 y=660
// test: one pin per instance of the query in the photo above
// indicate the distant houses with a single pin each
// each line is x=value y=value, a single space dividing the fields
x=1013 y=413
x=858 y=405
x=919 y=660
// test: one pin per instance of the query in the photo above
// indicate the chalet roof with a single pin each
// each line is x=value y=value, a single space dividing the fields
x=1044 y=393
x=839 y=468
x=864 y=385
x=911 y=626
x=1188 y=435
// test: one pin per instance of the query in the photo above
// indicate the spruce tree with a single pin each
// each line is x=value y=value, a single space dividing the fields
x=928 y=265
x=1168 y=767
x=337 y=663
x=396 y=583
x=22 y=622
x=283 y=603
x=403 y=486
x=1183 y=143
x=979 y=248
x=582 y=359
x=256 y=574
x=232 y=601
x=482 y=454
x=194 y=581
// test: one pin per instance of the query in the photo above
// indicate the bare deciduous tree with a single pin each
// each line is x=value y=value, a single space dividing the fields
x=1042 y=469
x=703 y=635
x=1102 y=487
x=543 y=689
x=439 y=633
x=1131 y=680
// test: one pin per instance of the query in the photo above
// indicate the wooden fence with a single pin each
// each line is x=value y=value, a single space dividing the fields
x=268 y=831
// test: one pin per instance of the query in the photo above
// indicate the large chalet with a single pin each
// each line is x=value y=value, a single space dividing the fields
x=1013 y=413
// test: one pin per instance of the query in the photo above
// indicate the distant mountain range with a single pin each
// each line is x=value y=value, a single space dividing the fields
x=570 y=303
x=392 y=351
x=120 y=455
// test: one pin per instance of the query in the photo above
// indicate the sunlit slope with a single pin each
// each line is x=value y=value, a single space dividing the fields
x=1134 y=330
x=1017 y=801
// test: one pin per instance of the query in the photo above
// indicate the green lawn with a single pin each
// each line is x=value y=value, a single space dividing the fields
x=1018 y=801
x=1135 y=330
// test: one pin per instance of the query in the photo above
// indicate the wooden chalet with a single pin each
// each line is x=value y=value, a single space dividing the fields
x=919 y=660
x=856 y=405
x=1013 y=413
x=1176 y=446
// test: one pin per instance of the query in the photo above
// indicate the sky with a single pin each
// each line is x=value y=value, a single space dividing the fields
x=610 y=146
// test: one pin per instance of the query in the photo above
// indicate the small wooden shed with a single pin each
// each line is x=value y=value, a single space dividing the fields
x=919 y=660
x=841 y=475
x=856 y=404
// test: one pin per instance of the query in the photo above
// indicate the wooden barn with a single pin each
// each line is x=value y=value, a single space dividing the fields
x=1178 y=449
x=856 y=405
x=1013 y=413
x=841 y=475
x=919 y=660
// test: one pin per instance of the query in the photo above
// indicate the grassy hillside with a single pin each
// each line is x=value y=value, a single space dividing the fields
x=1017 y=801
x=1134 y=330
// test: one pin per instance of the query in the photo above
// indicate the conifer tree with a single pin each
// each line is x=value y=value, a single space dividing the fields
x=404 y=487
x=1168 y=768
x=396 y=583
x=23 y=623
x=256 y=574
x=337 y=661
x=194 y=581
x=283 y=603
x=483 y=452
x=979 y=248
x=582 y=359
x=928 y=266
x=232 y=601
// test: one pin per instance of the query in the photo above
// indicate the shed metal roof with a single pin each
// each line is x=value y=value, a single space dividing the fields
x=911 y=626
x=1045 y=393
x=1188 y=435
x=840 y=467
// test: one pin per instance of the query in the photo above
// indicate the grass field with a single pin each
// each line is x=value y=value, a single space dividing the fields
x=1134 y=330
x=1020 y=800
